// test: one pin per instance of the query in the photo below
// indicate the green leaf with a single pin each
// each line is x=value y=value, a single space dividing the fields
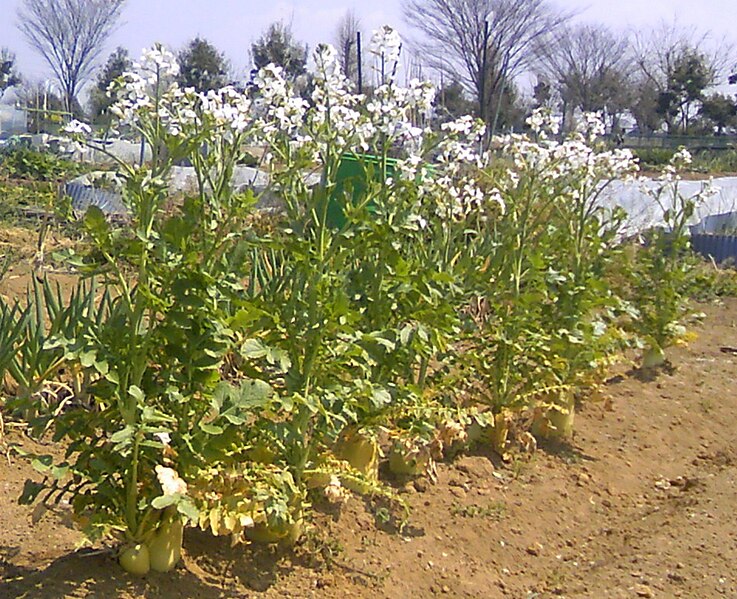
x=221 y=394
x=97 y=226
x=102 y=367
x=136 y=393
x=123 y=437
x=244 y=318
x=405 y=334
x=254 y=393
x=43 y=464
x=152 y=415
x=60 y=471
x=253 y=348
x=163 y=501
x=188 y=509
x=88 y=358
x=234 y=419
x=211 y=429
x=381 y=397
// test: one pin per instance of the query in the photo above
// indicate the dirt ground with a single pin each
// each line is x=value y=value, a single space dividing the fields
x=640 y=504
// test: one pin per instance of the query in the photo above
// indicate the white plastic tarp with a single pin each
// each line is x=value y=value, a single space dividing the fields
x=644 y=213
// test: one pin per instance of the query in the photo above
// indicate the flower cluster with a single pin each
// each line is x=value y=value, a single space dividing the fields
x=337 y=120
x=386 y=44
x=281 y=112
x=157 y=63
x=573 y=159
x=227 y=108
x=542 y=122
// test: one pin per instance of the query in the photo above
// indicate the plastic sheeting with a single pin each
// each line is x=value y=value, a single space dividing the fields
x=84 y=196
x=12 y=121
x=644 y=213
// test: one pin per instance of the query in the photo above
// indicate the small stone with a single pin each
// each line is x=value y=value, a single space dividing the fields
x=420 y=485
x=534 y=549
x=445 y=588
x=458 y=492
x=408 y=489
x=643 y=591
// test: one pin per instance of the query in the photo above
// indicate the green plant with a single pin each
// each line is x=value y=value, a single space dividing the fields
x=495 y=510
x=236 y=366
x=28 y=163
x=707 y=280
x=662 y=266
x=540 y=273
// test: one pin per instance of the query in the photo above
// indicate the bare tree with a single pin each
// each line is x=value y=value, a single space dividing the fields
x=69 y=34
x=346 y=43
x=590 y=67
x=676 y=64
x=484 y=43
x=658 y=50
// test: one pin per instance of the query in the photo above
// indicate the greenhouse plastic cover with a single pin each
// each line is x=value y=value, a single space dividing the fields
x=713 y=215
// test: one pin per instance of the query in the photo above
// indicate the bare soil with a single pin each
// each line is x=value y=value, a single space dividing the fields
x=640 y=503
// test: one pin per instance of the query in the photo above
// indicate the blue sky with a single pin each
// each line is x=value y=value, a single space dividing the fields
x=233 y=24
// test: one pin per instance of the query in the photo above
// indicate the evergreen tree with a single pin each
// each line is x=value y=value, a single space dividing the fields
x=202 y=66
x=117 y=63
x=9 y=77
x=278 y=46
x=720 y=110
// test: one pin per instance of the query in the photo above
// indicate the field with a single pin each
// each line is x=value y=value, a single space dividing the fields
x=443 y=365
x=638 y=504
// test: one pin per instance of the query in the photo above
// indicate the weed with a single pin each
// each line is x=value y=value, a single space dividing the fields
x=495 y=510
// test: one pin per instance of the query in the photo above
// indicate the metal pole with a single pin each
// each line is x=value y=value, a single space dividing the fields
x=359 y=58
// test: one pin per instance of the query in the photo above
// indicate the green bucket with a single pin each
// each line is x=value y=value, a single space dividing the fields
x=354 y=173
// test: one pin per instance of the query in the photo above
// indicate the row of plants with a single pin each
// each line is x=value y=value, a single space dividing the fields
x=226 y=368
x=22 y=161
x=705 y=162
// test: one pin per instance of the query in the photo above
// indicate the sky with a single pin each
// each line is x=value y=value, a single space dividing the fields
x=232 y=25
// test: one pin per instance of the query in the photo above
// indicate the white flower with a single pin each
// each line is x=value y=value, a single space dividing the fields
x=542 y=122
x=592 y=126
x=163 y=438
x=326 y=62
x=170 y=482
x=386 y=43
x=681 y=158
x=76 y=127
x=158 y=62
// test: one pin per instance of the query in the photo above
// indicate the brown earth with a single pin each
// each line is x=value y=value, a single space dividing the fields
x=19 y=246
x=640 y=504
